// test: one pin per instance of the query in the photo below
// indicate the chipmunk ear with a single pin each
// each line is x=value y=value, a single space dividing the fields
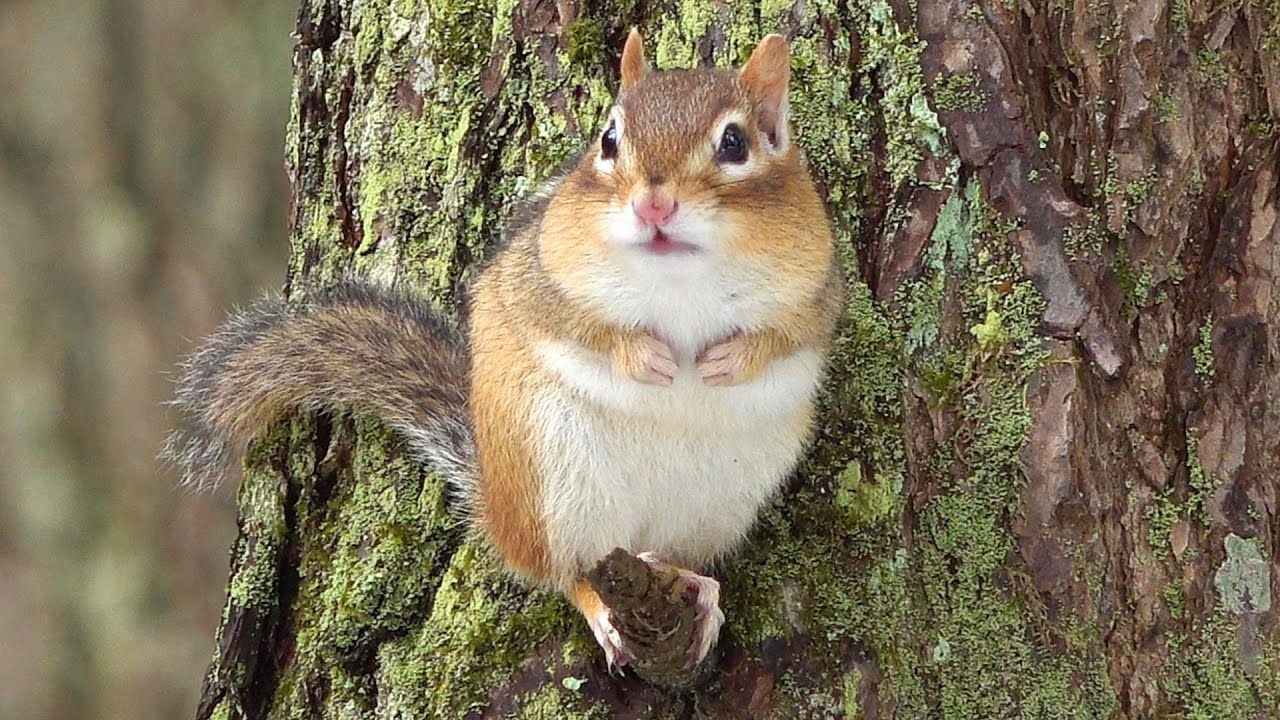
x=634 y=64
x=765 y=76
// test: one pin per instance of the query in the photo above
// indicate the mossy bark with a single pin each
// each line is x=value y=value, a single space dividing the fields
x=1045 y=477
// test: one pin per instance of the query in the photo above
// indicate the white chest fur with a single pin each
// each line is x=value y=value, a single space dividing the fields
x=680 y=470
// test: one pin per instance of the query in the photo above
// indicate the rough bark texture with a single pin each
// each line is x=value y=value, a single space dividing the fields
x=1045 y=481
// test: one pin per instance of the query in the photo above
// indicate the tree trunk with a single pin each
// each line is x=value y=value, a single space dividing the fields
x=1045 y=478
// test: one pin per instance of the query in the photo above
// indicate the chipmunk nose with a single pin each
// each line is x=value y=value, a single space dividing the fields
x=654 y=208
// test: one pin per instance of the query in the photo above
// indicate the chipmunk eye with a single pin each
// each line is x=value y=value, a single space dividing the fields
x=733 y=145
x=609 y=142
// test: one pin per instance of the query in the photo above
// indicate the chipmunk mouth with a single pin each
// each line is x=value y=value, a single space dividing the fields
x=663 y=244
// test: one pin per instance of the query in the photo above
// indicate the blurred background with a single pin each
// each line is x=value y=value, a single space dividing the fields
x=142 y=194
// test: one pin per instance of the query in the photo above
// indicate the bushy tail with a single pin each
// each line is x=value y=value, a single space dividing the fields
x=372 y=349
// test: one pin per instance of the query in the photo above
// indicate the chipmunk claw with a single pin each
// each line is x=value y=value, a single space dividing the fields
x=708 y=618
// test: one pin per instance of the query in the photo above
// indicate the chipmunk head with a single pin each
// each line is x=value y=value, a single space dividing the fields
x=697 y=161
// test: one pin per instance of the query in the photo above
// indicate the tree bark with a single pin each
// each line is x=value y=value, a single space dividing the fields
x=1044 y=483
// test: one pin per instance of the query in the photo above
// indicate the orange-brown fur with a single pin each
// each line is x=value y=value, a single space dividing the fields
x=509 y=510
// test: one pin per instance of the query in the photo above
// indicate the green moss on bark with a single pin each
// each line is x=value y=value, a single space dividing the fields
x=481 y=627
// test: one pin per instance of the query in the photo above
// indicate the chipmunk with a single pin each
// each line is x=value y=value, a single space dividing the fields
x=641 y=360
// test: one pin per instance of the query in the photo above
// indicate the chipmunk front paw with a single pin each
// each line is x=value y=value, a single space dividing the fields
x=730 y=362
x=644 y=358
